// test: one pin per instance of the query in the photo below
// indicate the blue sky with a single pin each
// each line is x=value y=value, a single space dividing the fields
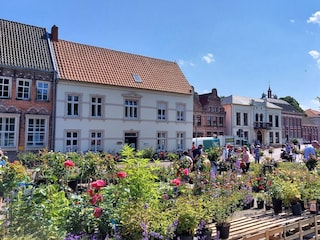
x=239 y=47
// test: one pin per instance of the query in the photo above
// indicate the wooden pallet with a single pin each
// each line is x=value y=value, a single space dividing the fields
x=264 y=226
x=306 y=228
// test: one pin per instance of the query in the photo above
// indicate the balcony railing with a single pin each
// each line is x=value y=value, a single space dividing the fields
x=262 y=125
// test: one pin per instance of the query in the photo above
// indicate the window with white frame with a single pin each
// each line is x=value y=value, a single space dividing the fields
x=72 y=140
x=161 y=141
x=96 y=141
x=37 y=128
x=245 y=119
x=162 y=110
x=180 y=141
x=277 y=137
x=180 y=112
x=131 y=109
x=73 y=102
x=23 y=89
x=238 y=118
x=270 y=137
x=5 y=87
x=208 y=120
x=43 y=91
x=8 y=131
x=96 y=106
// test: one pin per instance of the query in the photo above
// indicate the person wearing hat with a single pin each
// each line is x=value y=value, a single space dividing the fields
x=309 y=155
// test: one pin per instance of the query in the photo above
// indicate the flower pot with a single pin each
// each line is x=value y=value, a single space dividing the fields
x=206 y=234
x=296 y=209
x=314 y=207
x=223 y=230
x=277 y=205
x=260 y=204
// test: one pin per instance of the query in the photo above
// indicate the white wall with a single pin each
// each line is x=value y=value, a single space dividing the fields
x=113 y=123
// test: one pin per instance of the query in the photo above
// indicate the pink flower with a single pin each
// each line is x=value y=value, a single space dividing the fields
x=121 y=174
x=90 y=191
x=96 y=199
x=98 y=184
x=68 y=163
x=176 y=182
x=186 y=171
x=97 y=212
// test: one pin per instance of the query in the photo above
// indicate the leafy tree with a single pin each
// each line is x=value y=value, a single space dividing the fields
x=293 y=103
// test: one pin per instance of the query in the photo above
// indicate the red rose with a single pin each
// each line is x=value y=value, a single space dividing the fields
x=186 y=171
x=68 y=163
x=176 y=182
x=90 y=191
x=98 y=184
x=97 y=212
x=96 y=198
x=121 y=174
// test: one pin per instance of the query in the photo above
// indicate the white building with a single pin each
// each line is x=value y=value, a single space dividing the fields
x=108 y=98
x=255 y=120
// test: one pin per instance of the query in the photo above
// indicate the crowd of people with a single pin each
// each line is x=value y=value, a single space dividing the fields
x=238 y=158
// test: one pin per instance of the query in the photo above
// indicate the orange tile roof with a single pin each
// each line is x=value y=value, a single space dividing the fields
x=312 y=113
x=83 y=63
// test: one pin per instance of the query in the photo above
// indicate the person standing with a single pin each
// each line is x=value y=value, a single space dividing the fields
x=257 y=154
x=309 y=155
x=245 y=159
x=196 y=153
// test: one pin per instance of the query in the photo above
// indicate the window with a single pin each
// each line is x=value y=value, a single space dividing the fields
x=8 y=131
x=162 y=111
x=277 y=137
x=198 y=120
x=221 y=120
x=96 y=107
x=72 y=141
x=73 y=105
x=96 y=141
x=131 y=109
x=37 y=128
x=270 y=120
x=161 y=141
x=180 y=141
x=245 y=119
x=42 y=91
x=261 y=117
x=215 y=121
x=23 y=89
x=180 y=112
x=270 y=137
x=238 y=119
x=5 y=87
x=208 y=120
x=277 y=120
x=257 y=117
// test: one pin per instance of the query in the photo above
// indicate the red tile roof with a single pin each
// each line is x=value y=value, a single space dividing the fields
x=83 y=63
x=312 y=113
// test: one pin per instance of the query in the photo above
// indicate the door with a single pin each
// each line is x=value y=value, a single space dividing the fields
x=131 y=139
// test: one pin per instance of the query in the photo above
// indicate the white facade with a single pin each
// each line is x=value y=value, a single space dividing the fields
x=255 y=120
x=94 y=117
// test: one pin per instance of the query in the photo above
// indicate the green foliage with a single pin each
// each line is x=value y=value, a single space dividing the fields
x=214 y=153
x=294 y=103
x=39 y=213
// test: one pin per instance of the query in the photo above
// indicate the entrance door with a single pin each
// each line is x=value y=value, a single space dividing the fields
x=259 y=137
x=131 y=139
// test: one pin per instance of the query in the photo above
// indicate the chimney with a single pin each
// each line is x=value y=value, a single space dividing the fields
x=54 y=33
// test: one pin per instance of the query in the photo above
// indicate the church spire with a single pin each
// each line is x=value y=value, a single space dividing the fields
x=269 y=92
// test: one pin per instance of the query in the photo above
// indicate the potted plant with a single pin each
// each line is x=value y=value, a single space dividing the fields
x=260 y=199
x=275 y=191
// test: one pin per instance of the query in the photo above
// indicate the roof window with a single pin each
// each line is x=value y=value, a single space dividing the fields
x=136 y=78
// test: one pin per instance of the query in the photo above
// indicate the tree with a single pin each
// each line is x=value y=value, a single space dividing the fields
x=293 y=103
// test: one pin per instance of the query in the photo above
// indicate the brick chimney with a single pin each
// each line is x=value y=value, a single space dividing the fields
x=54 y=33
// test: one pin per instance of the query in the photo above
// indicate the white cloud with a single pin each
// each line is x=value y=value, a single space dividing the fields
x=208 y=58
x=315 y=18
x=314 y=53
x=292 y=20
x=182 y=62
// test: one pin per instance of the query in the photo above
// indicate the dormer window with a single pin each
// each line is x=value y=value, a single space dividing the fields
x=136 y=78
